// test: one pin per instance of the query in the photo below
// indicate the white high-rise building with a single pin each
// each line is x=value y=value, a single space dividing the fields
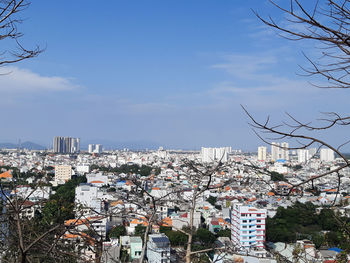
x=95 y=148
x=275 y=151
x=262 y=153
x=279 y=151
x=303 y=155
x=91 y=148
x=98 y=148
x=215 y=154
x=248 y=226
x=284 y=150
x=326 y=155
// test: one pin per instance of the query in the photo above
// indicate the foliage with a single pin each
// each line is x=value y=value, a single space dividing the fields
x=140 y=230
x=224 y=233
x=301 y=221
x=143 y=170
x=212 y=200
x=275 y=176
x=204 y=237
x=117 y=231
x=176 y=238
x=60 y=206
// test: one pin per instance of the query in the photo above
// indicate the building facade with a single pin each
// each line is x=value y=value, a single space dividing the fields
x=66 y=144
x=262 y=153
x=248 y=227
x=279 y=151
x=326 y=155
x=63 y=173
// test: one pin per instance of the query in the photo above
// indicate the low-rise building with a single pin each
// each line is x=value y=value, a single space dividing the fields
x=158 y=249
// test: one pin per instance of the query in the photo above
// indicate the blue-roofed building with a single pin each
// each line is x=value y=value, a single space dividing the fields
x=158 y=249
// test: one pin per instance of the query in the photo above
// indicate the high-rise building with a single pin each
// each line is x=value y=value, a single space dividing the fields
x=248 y=226
x=91 y=148
x=275 y=151
x=279 y=151
x=303 y=155
x=95 y=148
x=66 y=144
x=326 y=155
x=215 y=154
x=284 y=150
x=262 y=153
x=58 y=144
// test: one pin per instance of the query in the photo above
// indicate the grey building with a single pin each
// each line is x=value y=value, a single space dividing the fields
x=66 y=144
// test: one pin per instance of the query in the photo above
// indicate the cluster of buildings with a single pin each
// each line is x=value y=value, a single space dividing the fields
x=240 y=207
x=95 y=148
x=66 y=144
x=215 y=154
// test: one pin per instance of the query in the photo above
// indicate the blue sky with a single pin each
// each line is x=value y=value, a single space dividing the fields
x=170 y=72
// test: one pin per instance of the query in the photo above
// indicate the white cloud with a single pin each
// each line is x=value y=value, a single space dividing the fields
x=14 y=80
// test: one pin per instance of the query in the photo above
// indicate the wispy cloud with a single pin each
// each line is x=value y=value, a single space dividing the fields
x=14 y=80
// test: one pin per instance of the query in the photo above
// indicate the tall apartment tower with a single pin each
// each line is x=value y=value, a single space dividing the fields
x=279 y=151
x=275 y=151
x=303 y=155
x=326 y=155
x=58 y=144
x=284 y=150
x=66 y=144
x=262 y=153
x=215 y=154
x=248 y=226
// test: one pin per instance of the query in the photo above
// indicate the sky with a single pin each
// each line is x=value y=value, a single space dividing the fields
x=173 y=73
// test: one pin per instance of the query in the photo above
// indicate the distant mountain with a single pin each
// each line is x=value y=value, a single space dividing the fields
x=24 y=145
x=116 y=145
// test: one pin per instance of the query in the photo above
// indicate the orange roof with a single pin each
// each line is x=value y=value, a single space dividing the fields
x=6 y=174
x=227 y=188
x=331 y=190
x=96 y=182
x=139 y=222
x=270 y=194
x=205 y=207
x=167 y=221
x=155 y=188
x=75 y=222
x=114 y=203
x=81 y=221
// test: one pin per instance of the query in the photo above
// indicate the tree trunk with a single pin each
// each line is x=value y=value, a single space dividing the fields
x=189 y=242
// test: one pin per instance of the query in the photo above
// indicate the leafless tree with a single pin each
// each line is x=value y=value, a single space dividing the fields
x=10 y=18
x=327 y=25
